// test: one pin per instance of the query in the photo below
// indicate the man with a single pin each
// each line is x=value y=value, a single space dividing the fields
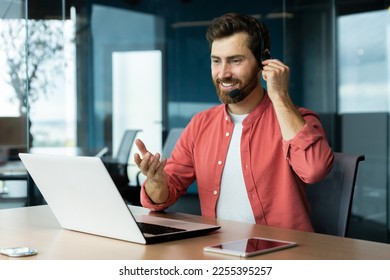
x=252 y=155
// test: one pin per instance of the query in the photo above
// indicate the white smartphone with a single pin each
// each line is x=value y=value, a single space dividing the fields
x=250 y=246
x=18 y=252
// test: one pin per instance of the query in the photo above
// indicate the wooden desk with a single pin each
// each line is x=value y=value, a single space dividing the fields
x=37 y=227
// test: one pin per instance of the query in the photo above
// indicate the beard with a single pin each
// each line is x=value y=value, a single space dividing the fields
x=224 y=96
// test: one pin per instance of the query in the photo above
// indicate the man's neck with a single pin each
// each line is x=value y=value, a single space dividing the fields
x=249 y=103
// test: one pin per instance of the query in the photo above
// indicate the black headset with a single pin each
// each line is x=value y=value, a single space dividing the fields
x=264 y=54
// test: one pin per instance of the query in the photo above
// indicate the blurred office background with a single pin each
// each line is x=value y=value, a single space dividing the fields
x=74 y=75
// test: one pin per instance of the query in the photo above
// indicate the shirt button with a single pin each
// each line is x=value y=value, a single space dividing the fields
x=215 y=192
x=220 y=162
x=227 y=134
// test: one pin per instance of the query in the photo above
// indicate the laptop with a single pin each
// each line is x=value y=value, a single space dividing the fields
x=83 y=197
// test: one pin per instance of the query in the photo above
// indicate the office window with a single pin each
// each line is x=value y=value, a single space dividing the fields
x=363 y=43
x=364 y=62
x=46 y=73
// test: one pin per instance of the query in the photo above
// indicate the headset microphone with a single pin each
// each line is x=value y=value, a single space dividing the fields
x=236 y=92
x=264 y=55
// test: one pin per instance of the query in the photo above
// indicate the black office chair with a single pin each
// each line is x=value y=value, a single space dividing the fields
x=331 y=199
x=170 y=142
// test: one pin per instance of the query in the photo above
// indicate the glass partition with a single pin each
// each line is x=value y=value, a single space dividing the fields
x=13 y=115
x=37 y=81
x=51 y=78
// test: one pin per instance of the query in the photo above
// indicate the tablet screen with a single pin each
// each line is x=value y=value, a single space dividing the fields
x=250 y=246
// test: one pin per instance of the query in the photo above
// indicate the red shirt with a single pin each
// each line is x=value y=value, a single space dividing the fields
x=275 y=171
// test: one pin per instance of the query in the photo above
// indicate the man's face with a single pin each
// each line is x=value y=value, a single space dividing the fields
x=233 y=66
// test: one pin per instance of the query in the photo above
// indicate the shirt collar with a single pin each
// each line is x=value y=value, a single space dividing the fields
x=257 y=111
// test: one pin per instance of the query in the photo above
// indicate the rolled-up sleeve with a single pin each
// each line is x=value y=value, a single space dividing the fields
x=309 y=153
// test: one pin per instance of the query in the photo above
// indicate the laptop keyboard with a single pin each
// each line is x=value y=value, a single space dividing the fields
x=157 y=229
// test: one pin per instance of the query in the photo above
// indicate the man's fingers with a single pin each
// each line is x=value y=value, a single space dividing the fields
x=150 y=165
x=141 y=146
x=144 y=165
x=154 y=163
x=137 y=159
x=162 y=164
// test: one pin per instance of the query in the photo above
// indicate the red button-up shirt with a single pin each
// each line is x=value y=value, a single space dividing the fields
x=275 y=171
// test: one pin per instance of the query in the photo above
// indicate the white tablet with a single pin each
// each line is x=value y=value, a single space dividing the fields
x=250 y=246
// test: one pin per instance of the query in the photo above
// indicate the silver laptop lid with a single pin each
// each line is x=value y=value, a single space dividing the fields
x=82 y=195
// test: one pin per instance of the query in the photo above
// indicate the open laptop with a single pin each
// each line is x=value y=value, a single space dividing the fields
x=83 y=197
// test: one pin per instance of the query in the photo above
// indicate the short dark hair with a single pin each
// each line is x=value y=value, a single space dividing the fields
x=232 y=23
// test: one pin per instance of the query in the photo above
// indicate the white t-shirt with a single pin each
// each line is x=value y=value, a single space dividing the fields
x=233 y=202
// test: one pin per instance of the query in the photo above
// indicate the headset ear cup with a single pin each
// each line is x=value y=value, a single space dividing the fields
x=266 y=55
